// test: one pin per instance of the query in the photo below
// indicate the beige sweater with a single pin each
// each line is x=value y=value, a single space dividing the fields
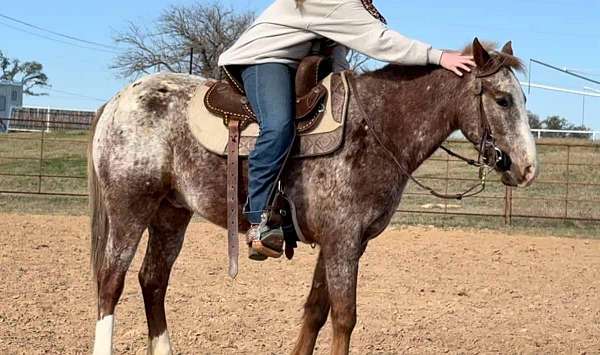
x=284 y=32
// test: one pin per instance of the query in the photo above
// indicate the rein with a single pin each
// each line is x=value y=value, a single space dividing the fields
x=485 y=163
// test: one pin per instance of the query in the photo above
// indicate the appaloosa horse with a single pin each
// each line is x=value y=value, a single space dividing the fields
x=147 y=171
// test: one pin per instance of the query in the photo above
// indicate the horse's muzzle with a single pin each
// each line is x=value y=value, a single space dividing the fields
x=520 y=177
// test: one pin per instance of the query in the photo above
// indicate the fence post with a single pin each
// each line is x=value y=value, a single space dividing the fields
x=48 y=120
x=41 y=166
x=447 y=182
x=568 y=180
x=508 y=206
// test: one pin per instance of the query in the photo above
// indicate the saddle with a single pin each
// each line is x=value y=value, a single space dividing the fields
x=226 y=99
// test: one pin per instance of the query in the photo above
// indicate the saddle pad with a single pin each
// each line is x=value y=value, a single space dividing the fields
x=325 y=138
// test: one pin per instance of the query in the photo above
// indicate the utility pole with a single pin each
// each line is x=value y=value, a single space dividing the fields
x=583 y=113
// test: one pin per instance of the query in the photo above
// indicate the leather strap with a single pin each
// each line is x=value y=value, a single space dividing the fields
x=232 y=196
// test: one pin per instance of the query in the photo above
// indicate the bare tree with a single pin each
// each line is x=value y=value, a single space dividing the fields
x=208 y=29
x=358 y=61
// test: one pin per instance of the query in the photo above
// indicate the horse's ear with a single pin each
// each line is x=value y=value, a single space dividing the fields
x=480 y=54
x=508 y=49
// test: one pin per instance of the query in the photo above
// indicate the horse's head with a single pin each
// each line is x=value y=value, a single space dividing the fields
x=499 y=124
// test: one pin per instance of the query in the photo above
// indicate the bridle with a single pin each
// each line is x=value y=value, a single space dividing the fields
x=490 y=156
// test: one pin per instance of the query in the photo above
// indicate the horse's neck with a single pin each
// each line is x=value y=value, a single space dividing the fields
x=417 y=114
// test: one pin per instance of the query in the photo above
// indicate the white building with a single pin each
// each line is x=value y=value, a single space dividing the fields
x=11 y=96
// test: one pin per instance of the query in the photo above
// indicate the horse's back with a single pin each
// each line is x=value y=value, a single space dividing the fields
x=134 y=131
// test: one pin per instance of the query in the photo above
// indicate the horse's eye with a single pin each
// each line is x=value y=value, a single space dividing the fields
x=503 y=101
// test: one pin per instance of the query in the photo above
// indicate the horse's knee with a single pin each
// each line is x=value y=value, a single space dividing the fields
x=344 y=318
x=315 y=314
x=151 y=282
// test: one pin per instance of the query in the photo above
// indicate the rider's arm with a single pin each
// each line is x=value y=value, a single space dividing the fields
x=351 y=25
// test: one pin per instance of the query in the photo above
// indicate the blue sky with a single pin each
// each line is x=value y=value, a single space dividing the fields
x=561 y=32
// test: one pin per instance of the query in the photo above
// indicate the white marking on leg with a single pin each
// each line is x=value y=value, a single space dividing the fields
x=160 y=345
x=104 y=333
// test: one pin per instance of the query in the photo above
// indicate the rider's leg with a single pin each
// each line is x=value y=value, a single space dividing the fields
x=270 y=91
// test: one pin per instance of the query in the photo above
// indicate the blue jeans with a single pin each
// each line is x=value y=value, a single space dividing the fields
x=271 y=94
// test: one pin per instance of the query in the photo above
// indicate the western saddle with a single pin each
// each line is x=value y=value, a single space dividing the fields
x=227 y=100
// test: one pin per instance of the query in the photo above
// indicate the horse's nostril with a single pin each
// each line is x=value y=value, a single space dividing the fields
x=529 y=173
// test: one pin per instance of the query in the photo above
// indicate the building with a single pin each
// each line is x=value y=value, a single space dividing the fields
x=11 y=96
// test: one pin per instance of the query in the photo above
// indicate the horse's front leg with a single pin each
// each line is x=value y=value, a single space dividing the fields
x=341 y=258
x=316 y=310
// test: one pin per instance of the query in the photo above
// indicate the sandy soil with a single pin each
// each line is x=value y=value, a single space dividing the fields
x=421 y=290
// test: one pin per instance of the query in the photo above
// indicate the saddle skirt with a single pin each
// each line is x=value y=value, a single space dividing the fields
x=326 y=137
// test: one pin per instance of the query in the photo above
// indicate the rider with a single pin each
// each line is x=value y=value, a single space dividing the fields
x=266 y=57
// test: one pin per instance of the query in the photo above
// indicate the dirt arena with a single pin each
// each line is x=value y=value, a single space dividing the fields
x=421 y=291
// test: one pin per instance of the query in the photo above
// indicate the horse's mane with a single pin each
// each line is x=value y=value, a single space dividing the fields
x=507 y=60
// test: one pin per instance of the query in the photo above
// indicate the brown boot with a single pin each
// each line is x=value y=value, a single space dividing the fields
x=264 y=242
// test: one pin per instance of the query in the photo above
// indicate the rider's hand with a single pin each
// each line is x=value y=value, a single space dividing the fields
x=455 y=62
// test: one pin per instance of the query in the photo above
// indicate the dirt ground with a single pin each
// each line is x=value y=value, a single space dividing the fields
x=421 y=291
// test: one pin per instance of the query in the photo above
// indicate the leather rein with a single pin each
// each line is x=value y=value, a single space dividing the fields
x=490 y=157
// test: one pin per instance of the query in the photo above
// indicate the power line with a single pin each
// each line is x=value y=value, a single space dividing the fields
x=58 y=33
x=57 y=40
x=76 y=95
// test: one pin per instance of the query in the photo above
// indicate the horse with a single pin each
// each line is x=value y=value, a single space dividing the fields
x=146 y=171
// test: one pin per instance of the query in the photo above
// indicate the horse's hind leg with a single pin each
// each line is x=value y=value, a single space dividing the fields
x=167 y=231
x=316 y=310
x=124 y=233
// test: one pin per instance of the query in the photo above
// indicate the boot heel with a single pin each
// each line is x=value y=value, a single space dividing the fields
x=253 y=254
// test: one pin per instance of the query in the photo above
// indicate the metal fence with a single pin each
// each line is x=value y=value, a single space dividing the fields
x=54 y=163
x=49 y=158
x=568 y=187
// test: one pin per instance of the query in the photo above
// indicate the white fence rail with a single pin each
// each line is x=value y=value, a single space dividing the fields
x=541 y=133
x=593 y=135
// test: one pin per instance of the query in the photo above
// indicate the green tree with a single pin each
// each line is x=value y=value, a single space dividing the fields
x=574 y=127
x=556 y=122
x=560 y=123
x=30 y=74
x=534 y=120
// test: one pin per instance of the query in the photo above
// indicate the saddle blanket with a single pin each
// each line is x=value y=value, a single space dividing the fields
x=325 y=138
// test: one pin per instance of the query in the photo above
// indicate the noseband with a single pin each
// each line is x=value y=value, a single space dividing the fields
x=490 y=156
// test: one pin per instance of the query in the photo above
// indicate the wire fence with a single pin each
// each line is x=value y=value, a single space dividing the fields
x=568 y=187
x=47 y=158
x=53 y=163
